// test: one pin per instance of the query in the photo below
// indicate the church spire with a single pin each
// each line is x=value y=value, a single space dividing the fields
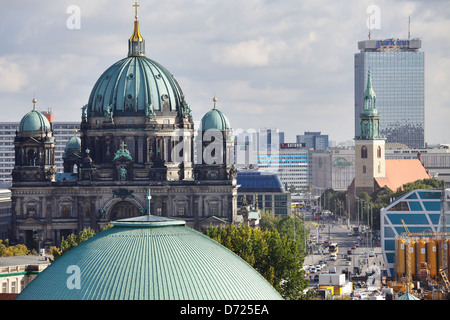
x=370 y=98
x=369 y=119
x=136 y=43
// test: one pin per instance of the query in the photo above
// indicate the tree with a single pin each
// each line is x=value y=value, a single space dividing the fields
x=285 y=225
x=418 y=184
x=9 y=251
x=71 y=242
x=275 y=257
x=381 y=197
x=330 y=198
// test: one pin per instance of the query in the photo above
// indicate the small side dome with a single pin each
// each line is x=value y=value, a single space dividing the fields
x=215 y=119
x=74 y=143
x=34 y=121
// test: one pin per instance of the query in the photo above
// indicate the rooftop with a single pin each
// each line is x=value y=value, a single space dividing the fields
x=402 y=171
x=150 y=258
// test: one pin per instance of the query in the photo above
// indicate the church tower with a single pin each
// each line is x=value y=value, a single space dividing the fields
x=369 y=144
x=215 y=147
x=34 y=147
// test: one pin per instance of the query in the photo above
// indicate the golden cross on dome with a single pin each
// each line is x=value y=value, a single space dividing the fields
x=135 y=5
x=123 y=145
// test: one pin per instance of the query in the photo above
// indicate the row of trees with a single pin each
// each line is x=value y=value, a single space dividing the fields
x=384 y=196
x=336 y=201
x=276 y=251
x=71 y=242
x=9 y=251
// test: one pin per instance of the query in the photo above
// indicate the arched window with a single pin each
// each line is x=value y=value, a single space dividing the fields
x=379 y=152
x=364 y=152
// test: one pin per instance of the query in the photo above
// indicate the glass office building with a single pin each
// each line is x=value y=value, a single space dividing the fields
x=290 y=162
x=397 y=68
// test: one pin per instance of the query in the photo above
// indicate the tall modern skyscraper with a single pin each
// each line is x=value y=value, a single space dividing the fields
x=397 y=68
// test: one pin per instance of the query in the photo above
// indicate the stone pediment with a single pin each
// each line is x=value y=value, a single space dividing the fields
x=31 y=222
x=213 y=221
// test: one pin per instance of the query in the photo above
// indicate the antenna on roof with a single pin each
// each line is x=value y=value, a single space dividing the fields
x=409 y=28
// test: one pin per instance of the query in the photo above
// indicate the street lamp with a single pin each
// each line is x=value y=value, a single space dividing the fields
x=149 y=197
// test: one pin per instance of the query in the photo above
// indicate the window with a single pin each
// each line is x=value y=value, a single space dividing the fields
x=401 y=206
x=364 y=152
x=364 y=169
x=379 y=152
x=65 y=210
x=214 y=208
x=180 y=210
x=31 y=211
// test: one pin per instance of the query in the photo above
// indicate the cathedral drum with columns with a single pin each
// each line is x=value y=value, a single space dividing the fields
x=134 y=155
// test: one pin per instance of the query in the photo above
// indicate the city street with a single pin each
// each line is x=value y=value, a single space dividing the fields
x=355 y=253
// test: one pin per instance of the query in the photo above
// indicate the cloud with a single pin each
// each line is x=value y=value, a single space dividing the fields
x=13 y=78
x=287 y=63
x=252 y=53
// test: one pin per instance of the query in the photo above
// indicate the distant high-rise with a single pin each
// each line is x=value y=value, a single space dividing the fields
x=397 y=68
x=313 y=140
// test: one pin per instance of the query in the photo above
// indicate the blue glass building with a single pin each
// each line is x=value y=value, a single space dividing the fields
x=397 y=68
x=265 y=190
x=421 y=212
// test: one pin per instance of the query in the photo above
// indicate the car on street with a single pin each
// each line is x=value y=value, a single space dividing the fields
x=312 y=269
x=353 y=247
x=318 y=267
x=371 y=254
x=333 y=257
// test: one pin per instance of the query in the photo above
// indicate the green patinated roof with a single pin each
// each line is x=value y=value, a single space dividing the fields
x=132 y=85
x=369 y=100
x=74 y=143
x=151 y=258
x=34 y=121
x=215 y=119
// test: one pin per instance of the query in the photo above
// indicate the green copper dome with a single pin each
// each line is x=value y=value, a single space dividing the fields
x=149 y=258
x=131 y=86
x=74 y=143
x=135 y=86
x=215 y=119
x=34 y=121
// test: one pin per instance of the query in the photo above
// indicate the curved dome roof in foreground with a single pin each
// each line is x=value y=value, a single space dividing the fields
x=149 y=258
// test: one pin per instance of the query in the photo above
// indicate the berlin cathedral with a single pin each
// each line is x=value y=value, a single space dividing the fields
x=137 y=153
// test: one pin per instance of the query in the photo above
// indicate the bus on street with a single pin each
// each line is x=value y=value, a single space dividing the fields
x=333 y=248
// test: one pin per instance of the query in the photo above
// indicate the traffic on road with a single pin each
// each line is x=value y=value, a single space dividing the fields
x=339 y=247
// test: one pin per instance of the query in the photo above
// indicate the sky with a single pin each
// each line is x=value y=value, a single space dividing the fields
x=286 y=64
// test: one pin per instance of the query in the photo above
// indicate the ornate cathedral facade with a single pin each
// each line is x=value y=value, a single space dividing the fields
x=134 y=155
